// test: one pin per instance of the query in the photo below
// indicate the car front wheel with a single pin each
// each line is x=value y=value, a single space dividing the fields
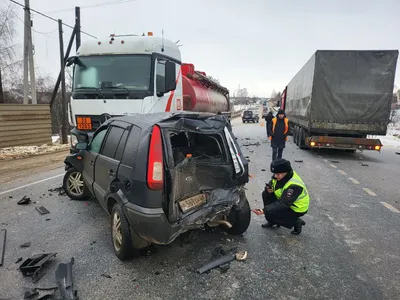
x=239 y=218
x=74 y=186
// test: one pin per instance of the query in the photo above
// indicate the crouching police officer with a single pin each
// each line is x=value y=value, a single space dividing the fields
x=285 y=198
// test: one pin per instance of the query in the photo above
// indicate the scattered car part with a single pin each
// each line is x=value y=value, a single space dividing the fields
x=32 y=266
x=65 y=282
x=398 y=153
x=24 y=201
x=26 y=245
x=42 y=210
x=30 y=293
x=216 y=263
x=106 y=276
x=18 y=260
x=49 y=295
x=299 y=161
x=3 y=236
x=241 y=255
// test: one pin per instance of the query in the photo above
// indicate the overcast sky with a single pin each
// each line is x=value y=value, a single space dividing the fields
x=259 y=44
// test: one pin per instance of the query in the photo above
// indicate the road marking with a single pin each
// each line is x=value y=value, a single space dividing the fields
x=342 y=172
x=389 y=207
x=333 y=166
x=30 y=184
x=354 y=181
x=369 y=191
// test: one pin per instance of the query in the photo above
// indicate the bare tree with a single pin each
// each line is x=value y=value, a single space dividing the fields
x=8 y=66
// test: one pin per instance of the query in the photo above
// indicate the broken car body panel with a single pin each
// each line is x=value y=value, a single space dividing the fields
x=203 y=171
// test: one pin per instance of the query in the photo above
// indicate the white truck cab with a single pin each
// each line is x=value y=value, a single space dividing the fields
x=124 y=75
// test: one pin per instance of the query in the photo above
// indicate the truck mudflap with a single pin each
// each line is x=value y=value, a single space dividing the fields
x=345 y=143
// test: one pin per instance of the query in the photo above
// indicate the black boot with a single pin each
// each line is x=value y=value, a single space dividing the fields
x=269 y=225
x=297 y=226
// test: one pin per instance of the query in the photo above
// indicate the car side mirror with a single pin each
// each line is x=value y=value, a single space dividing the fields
x=71 y=60
x=170 y=76
x=81 y=146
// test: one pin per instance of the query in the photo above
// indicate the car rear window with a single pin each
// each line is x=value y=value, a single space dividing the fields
x=249 y=113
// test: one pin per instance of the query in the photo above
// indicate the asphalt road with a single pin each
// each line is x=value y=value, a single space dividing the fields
x=349 y=248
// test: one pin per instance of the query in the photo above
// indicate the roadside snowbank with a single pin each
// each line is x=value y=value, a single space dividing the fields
x=26 y=151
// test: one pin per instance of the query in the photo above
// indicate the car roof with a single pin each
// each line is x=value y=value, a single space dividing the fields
x=148 y=120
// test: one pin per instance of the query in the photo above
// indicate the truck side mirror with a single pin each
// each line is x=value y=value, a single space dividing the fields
x=71 y=60
x=170 y=76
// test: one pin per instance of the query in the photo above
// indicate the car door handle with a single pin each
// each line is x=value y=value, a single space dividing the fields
x=92 y=163
x=111 y=172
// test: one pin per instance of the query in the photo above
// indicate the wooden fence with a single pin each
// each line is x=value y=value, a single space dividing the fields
x=24 y=125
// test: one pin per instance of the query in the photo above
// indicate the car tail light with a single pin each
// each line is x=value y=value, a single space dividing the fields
x=377 y=148
x=155 y=167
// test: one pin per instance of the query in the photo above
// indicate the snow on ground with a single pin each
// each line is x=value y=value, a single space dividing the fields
x=25 y=151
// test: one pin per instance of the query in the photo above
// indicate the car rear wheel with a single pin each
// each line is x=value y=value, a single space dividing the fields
x=239 y=218
x=74 y=186
x=121 y=234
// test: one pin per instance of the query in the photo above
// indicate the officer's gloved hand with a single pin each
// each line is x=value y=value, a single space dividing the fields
x=268 y=188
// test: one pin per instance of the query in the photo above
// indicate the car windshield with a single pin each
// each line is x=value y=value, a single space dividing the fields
x=130 y=72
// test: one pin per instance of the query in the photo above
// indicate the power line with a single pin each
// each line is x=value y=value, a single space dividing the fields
x=92 y=6
x=44 y=15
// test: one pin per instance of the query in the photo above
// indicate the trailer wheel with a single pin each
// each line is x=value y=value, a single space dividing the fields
x=302 y=139
x=296 y=135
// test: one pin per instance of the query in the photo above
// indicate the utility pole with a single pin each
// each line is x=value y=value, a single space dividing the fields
x=26 y=56
x=78 y=26
x=64 y=124
x=1 y=90
x=29 y=66
x=31 y=63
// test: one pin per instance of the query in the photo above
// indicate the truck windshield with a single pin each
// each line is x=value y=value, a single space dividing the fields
x=130 y=72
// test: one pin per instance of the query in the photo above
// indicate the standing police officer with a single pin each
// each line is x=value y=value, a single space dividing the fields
x=285 y=198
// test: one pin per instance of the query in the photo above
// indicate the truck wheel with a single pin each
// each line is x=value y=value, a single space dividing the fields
x=121 y=234
x=74 y=186
x=296 y=135
x=240 y=219
x=302 y=139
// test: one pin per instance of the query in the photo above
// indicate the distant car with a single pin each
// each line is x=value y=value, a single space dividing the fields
x=160 y=175
x=250 y=116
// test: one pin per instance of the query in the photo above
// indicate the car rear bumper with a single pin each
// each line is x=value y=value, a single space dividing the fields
x=153 y=226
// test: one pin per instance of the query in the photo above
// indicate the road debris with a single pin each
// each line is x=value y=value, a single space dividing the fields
x=252 y=144
x=32 y=267
x=26 y=245
x=65 y=281
x=241 y=256
x=106 y=276
x=30 y=293
x=18 y=260
x=60 y=190
x=334 y=161
x=364 y=165
x=24 y=201
x=3 y=238
x=42 y=210
x=398 y=153
x=221 y=258
x=262 y=170
x=298 y=161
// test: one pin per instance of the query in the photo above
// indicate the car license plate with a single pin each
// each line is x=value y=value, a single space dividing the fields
x=192 y=202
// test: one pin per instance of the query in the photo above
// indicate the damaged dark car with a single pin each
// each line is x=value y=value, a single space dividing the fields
x=160 y=175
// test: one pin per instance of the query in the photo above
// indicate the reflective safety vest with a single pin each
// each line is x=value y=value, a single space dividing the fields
x=274 y=120
x=302 y=202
